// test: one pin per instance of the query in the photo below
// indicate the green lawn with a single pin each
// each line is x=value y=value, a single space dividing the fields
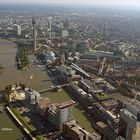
x=57 y=97
x=102 y=96
x=79 y=116
x=78 y=113
x=13 y=39
x=30 y=128
x=5 y=122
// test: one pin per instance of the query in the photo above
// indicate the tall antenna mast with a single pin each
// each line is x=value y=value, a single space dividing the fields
x=34 y=32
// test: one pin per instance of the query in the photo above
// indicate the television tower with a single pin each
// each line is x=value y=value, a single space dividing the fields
x=34 y=33
x=103 y=30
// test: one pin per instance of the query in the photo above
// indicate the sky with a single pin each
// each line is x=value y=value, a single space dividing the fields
x=76 y=2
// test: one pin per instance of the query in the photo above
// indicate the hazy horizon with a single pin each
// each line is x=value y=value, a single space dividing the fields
x=76 y=2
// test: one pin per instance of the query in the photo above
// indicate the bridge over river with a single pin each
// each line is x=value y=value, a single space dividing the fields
x=53 y=88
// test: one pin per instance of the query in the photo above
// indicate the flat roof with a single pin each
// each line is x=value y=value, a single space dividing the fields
x=66 y=104
x=101 y=124
x=132 y=105
x=94 y=136
x=109 y=102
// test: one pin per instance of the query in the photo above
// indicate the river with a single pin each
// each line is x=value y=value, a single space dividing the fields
x=11 y=74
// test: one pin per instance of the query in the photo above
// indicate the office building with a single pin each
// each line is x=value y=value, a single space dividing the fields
x=127 y=124
x=59 y=114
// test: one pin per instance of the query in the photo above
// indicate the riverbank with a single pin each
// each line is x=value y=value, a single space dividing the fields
x=29 y=129
x=8 y=129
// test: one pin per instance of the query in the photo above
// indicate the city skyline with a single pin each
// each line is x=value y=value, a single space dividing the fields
x=69 y=70
x=79 y=2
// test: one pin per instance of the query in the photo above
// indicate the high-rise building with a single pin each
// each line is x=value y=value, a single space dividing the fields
x=50 y=25
x=17 y=29
x=34 y=33
x=66 y=24
x=59 y=114
x=129 y=125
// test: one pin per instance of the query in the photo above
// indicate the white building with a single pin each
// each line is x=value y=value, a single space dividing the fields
x=65 y=33
x=50 y=56
x=17 y=29
x=59 y=114
x=32 y=94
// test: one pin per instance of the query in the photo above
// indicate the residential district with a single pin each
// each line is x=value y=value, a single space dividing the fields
x=88 y=59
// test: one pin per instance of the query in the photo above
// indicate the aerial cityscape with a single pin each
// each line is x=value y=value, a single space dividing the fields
x=69 y=70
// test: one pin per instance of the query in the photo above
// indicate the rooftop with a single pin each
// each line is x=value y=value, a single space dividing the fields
x=125 y=112
x=66 y=104
x=76 y=128
x=101 y=124
x=102 y=96
x=42 y=103
x=132 y=105
x=89 y=84
x=109 y=102
x=94 y=136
